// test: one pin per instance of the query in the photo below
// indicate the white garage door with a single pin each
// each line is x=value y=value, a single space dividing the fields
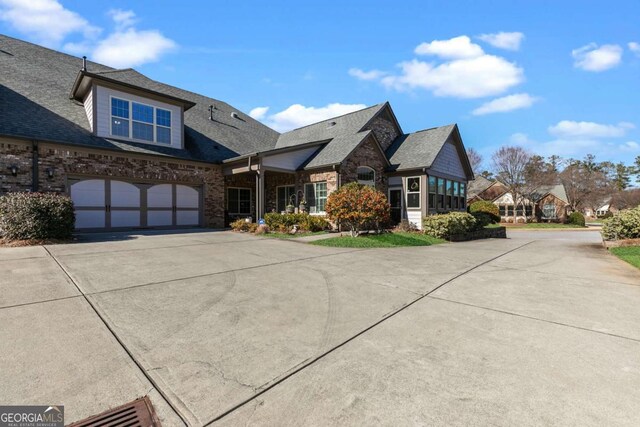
x=113 y=204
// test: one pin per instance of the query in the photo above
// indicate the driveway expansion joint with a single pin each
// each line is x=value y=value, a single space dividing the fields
x=119 y=341
x=388 y=316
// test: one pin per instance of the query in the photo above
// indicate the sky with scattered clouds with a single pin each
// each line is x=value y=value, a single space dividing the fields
x=507 y=72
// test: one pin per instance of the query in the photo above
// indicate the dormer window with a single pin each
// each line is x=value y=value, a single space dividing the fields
x=145 y=123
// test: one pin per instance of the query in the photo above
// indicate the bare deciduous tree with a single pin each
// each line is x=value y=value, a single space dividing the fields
x=475 y=159
x=510 y=167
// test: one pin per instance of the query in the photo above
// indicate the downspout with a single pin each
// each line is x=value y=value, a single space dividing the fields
x=336 y=169
x=34 y=166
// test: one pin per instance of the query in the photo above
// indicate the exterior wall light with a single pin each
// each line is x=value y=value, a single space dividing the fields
x=50 y=172
x=14 y=170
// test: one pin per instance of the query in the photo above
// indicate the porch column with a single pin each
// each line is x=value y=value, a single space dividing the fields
x=260 y=194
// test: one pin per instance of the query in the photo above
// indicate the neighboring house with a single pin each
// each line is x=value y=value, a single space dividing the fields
x=135 y=153
x=549 y=203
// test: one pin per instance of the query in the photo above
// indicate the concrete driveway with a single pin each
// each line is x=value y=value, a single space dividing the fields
x=221 y=328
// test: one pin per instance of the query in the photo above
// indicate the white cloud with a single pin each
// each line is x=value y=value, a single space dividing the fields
x=594 y=58
x=503 y=40
x=634 y=47
x=455 y=48
x=45 y=20
x=466 y=72
x=578 y=148
x=131 y=48
x=51 y=24
x=298 y=115
x=366 y=75
x=259 y=113
x=485 y=75
x=506 y=103
x=568 y=129
x=123 y=18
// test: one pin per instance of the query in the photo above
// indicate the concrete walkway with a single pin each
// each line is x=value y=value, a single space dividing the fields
x=224 y=328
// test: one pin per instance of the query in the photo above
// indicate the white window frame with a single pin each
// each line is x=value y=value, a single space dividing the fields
x=250 y=199
x=154 y=125
x=407 y=192
x=371 y=182
x=315 y=194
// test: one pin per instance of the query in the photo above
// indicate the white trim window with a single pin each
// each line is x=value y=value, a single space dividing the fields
x=315 y=194
x=413 y=192
x=366 y=176
x=140 y=122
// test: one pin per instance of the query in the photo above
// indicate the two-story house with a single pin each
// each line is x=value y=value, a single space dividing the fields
x=136 y=153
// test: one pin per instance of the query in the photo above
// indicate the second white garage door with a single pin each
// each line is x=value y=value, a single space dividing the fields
x=104 y=204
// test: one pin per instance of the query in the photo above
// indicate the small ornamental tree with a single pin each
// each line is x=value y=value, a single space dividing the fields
x=358 y=207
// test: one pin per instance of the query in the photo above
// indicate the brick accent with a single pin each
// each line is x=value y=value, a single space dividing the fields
x=76 y=161
x=385 y=130
x=367 y=154
x=273 y=181
x=319 y=175
x=550 y=199
x=243 y=180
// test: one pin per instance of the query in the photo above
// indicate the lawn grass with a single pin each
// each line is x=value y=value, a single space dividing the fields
x=292 y=236
x=544 y=225
x=386 y=240
x=630 y=254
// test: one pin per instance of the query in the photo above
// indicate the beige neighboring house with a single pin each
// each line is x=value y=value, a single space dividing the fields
x=548 y=204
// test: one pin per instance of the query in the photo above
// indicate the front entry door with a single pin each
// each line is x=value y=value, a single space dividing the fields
x=395 y=202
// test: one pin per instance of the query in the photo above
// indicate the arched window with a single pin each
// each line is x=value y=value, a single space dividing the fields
x=366 y=176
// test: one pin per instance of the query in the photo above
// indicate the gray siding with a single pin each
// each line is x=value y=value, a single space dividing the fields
x=103 y=106
x=448 y=162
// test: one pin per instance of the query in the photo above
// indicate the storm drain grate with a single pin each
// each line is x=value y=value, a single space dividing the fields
x=139 y=413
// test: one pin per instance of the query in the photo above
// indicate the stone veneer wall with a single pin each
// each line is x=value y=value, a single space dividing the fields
x=385 y=130
x=78 y=161
x=367 y=154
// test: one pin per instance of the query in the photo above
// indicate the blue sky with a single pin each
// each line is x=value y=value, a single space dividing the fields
x=558 y=77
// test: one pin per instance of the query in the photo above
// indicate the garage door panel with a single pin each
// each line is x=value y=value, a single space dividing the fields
x=160 y=196
x=88 y=193
x=160 y=218
x=125 y=218
x=124 y=195
x=90 y=219
x=187 y=217
x=187 y=197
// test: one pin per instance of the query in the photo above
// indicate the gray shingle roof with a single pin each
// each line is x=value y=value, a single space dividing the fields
x=348 y=124
x=418 y=149
x=336 y=150
x=35 y=83
x=477 y=186
x=557 y=190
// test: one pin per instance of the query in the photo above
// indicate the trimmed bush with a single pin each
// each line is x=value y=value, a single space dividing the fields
x=576 y=218
x=358 y=207
x=444 y=226
x=283 y=223
x=490 y=211
x=482 y=219
x=26 y=216
x=622 y=225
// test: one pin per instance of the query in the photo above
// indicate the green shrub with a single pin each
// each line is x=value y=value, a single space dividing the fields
x=622 y=225
x=490 y=211
x=576 y=218
x=305 y=222
x=36 y=216
x=483 y=219
x=358 y=207
x=450 y=224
